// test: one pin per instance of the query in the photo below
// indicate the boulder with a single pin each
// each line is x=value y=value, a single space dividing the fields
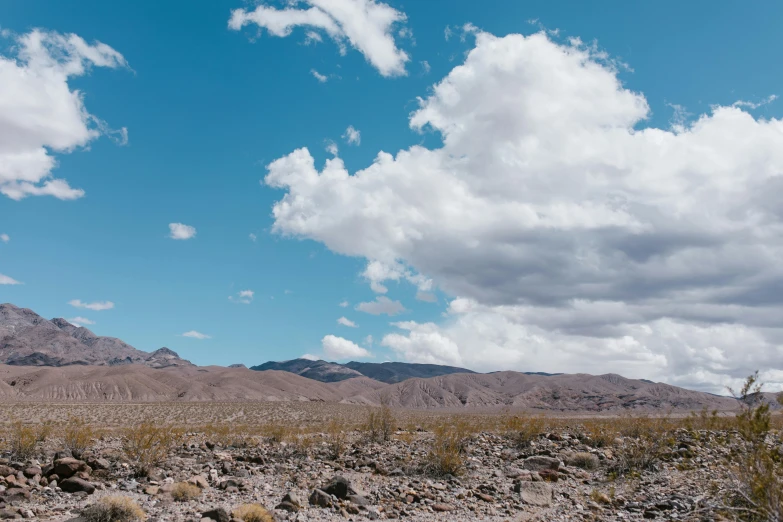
x=340 y=487
x=536 y=493
x=75 y=485
x=539 y=462
x=69 y=466
x=217 y=514
x=320 y=498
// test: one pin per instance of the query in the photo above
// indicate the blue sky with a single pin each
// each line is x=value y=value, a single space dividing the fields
x=208 y=107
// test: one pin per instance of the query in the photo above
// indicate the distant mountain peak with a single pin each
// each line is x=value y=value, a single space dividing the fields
x=27 y=339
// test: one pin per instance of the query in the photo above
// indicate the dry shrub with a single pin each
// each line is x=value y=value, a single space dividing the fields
x=77 y=436
x=184 y=491
x=336 y=439
x=583 y=460
x=115 y=508
x=380 y=423
x=147 y=445
x=445 y=456
x=277 y=433
x=23 y=440
x=522 y=430
x=303 y=444
x=757 y=480
x=252 y=513
x=597 y=434
x=640 y=454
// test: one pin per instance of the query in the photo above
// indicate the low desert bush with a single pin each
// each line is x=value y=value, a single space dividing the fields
x=597 y=434
x=522 y=430
x=22 y=440
x=277 y=433
x=639 y=454
x=445 y=456
x=115 y=508
x=147 y=445
x=336 y=438
x=184 y=491
x=757 y=478
x=583 y=460
x=379 y=426
x=252 y=513
x=77 y=436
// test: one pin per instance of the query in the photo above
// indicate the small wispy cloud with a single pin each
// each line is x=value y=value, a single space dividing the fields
x=196 y=335
x=331 y=148
x=352 y=135
x=96 y=306
x=243 y=296
x=5 y=238
x=381 y=305
x=425 y=66
x=80 y=321
x=344 y=304
x=6 y=280
x=312 y=38
x=346 y=322
x=318 y=76
x=253 y=237
x=181 y=231
x=756 y=105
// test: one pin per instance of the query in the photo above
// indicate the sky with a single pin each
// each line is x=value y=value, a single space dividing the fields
x=533 y=186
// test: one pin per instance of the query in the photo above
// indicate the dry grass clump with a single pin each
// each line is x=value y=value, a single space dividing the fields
x=252 y=513
x=77 y=436
x=184 y=491
x=583 y=460
x=23 y=439
x=445 y=456
x=115 y=508
x=597 y=434
x=147 y=445
x=522 y=430
x=277 y=433
x=379 y=426
x=336 y=439
x=641 y=454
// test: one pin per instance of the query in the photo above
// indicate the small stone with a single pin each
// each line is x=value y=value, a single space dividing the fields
x=539 y=462
x=442 y=508
x=340 y=487
x=69 y=466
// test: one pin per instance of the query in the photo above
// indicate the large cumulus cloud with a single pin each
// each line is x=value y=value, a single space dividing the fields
x=572 y=235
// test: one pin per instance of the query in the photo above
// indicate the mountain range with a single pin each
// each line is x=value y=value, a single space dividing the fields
x=388 y=372
x=54 y=360
x=27 y=339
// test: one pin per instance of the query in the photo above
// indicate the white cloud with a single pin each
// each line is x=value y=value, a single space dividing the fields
x=425 y=66
x=253 y=237
x=6 y=280
x=564 y=224
x=344 y=304
x=243 y=296
x=318 y=76
x=5 y=238
x=427 y=297
x=381 y=305
x=41 y=115
x=367 y=25
x=338 y=348
x=309 y=357
x=352 y=136
x=368 y=340
x=180 y=231
x=80 y=321
x=312 y=38
x=751 y=105
x=96 y=306
x=196 y=335
x=331 y=148
x=346 y=322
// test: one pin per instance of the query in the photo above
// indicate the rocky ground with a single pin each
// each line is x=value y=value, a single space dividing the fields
x=558 y=476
